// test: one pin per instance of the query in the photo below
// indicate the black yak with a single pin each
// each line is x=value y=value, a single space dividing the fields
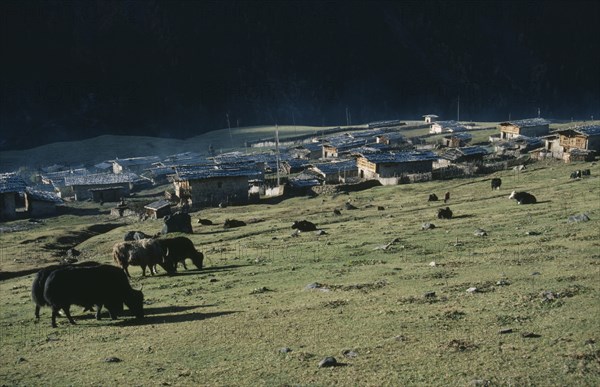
x=231 y=223
x=496 y=183
x=102 y=285
x=304 y=225
x=145 y=252
x=432 y=198
x=444 y=213
x=576 y=174
x=178 y=249
x=39 y=281
x=446 y=197
x=178 y=222
x=523 y=197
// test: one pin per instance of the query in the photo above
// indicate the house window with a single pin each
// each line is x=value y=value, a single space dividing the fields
x=220 y=184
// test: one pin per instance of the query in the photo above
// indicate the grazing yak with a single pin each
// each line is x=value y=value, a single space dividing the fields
x=205 y=222
x=178 y=249
x=576 y=174
x=523 y=197
x=37 y=288
x=304 y=225
x=178 y=222
x=231 y=223
x=102 y=285
x=145 y=252
x=446 y=197
x=350 y=206
x=496 y=183
x=432 y=198
x=444 y=213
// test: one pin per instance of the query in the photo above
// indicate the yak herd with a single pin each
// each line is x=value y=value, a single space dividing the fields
x=91 y=284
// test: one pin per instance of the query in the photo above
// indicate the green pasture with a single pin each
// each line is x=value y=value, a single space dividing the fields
x=388 y=300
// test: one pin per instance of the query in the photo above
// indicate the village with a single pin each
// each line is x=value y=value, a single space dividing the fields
x=379 y=153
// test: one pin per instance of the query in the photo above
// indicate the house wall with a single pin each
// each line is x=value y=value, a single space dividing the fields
x=368 y=170
x=580 y=142
x=329 y=152
x=8 y=208
x=398 y=169
x=512 y=131
x=82 y=192
x=594 y=143
x=38 y=208
x=108 y=195
x=212 y=191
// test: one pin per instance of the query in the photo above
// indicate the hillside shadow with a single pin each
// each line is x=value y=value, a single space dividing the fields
x=176 y=318
x=83 y=211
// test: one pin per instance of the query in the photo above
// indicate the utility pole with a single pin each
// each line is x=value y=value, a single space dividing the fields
x=538 y=112
x=347 y=118
x=229 y=127
x=277 y=150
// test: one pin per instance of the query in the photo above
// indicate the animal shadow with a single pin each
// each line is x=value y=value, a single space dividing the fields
x=464 y=216
x=205 y=270
x=172 y=318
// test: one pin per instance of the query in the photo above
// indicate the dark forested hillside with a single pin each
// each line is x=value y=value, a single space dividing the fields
x=177 y=68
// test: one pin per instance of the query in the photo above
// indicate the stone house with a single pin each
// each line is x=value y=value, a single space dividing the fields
x=429 y=118
x=336 y=172
x=453 y=156
x=531 y=127
x=158 y=209
x=82 y=187
x=11 y=185
x=41 y=203
x=583 y=138
x=205 y=186
x=457 y=140
x=394 y=165
x=446 y=127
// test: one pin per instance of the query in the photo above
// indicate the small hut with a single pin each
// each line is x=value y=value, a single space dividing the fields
x=158 y=209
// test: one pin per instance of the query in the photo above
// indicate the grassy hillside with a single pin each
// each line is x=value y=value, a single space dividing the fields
x=537 y=278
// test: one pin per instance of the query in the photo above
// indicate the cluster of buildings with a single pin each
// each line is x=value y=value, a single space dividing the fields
x=378 y=151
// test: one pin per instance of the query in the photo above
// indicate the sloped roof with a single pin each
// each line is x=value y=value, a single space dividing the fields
x=304 y=180
x=157 y=205
x=43 y=196
x=586 y=130
x=456 y=153
x=11 y=182
x=101 y=179
x=206 y=172
x=451 y=126
x=393 y=136
x=60 y=175
x=459 y=135
x=133 y=161
x=526 y=122
x=336 y=167
x=344 y=142
x=400 y=157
